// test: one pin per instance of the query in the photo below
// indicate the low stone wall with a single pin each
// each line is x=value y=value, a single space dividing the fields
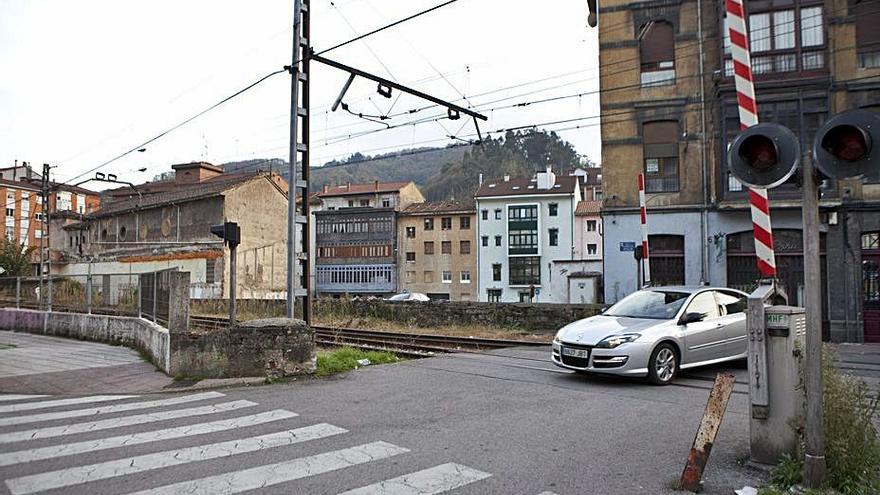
x=539 y=318
x=137 y=333
x=271 y=347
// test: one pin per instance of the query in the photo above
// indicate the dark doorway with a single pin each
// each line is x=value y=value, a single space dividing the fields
x=871 y=285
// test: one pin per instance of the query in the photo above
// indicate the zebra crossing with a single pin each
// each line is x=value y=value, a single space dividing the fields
x=50 y=444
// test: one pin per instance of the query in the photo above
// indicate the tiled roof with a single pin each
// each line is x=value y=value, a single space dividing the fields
x=352 y=189
x=513 y=187
x=180 y=192
x=588 y=208
x=19 y=184
x=430 y=207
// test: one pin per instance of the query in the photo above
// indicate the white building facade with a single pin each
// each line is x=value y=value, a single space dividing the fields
x=525 y=238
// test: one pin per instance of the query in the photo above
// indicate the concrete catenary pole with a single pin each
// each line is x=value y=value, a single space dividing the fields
x=643 y=218
x=814 y=460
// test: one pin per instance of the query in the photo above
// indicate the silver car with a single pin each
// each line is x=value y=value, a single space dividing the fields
x=655 y=332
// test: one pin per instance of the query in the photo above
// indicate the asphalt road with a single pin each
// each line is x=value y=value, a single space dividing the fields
x=501 y=423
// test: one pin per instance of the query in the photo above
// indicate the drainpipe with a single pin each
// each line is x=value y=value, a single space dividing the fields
x=704 y=210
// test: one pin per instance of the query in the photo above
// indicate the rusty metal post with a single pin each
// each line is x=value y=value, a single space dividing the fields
x=699 y=454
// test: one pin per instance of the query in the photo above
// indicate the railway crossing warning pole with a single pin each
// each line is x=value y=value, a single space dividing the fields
x=643 y=213
x=748 y=116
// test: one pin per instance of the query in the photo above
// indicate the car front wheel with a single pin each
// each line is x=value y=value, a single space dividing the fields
x=663 y=365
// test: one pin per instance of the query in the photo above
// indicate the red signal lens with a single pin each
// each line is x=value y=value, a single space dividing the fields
x=846 y=142
x=759 y=152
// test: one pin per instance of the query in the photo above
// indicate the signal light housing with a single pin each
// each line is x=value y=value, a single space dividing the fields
x=848 y=146
x=229 y=232
x=593 y=16
x=764 y=155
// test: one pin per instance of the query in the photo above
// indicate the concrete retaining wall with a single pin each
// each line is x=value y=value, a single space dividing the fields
x=128 y=331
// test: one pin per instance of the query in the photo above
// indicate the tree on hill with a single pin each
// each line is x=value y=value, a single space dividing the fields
x=517 y=153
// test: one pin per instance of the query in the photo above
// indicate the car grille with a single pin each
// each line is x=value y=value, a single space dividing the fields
x=575 y=361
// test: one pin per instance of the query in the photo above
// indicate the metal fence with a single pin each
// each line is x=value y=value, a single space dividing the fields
x=114 y=294
x=155 y=291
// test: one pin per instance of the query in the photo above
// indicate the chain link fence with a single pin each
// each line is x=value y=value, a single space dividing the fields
x=114 y=294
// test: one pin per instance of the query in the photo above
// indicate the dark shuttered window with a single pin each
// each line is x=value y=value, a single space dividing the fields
x=661 y=156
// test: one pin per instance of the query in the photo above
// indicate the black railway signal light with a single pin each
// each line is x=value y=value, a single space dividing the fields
x=764 y=155
x=229 y=232
x=848 y=146
x=593 y=16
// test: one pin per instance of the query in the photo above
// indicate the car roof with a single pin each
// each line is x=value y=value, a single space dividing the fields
x=690 y=289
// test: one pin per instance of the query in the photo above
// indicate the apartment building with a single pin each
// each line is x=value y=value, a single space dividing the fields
x=669 y=110
x=356 y=237
x=437 y=250
x=525 y=238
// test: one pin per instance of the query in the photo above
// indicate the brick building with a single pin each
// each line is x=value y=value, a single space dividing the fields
x=669 y=110
x=437 y=250
x=168 y=226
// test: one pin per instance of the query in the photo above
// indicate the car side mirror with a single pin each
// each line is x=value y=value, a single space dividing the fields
x=691 y=318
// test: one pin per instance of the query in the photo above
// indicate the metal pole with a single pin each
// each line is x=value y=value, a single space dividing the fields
x=140 y=294
x=292 y=177
x=17 y=292
x=814 y=461
x=89 y=294
x=155 y=294
x=232 y=283
x=306 y=165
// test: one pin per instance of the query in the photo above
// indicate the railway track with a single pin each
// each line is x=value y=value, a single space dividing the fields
x=412 y=344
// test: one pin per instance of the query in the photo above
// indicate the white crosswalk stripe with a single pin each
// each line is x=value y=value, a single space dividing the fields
x=30 y=406
x=106 y=424
x=74 y=470
x=11 y=397
x=115 y=408
x=82 y=474
x=66 y=449
x=273 y=474
x=438 y=479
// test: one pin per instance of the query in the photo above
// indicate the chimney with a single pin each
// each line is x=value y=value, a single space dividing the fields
x=546 y=179
x=348 y=187
x=506 y=178
x=481 y=180
x=326 y=188
x=193 y=173
x=376 y=184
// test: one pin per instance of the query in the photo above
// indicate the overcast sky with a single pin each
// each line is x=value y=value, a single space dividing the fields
x=81 y=82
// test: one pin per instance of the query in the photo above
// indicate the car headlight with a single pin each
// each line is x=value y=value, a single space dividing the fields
x=557 y=338
x=617 y=340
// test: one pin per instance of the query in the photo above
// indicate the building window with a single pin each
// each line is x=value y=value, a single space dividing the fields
x=411 y=256
x=365 y=202
x=464 y=223
x=553 y=209
x=429 y=224
x=871 y=240
x=210 y=268
x=667 y=259
x=498 y=240
x=591 y=225
x=524 y=241
x=783 y=40
x=429 y=277
x=410 y=276
x=484 y=214
x=485 y=240
x=446 y=223
x=10 y=232
x=592 y=249
x=554 y=237
x=464 y=247
x=411 y=232
x=445 y=247
x=122 y=232
x=525 y=270
x=657 y=53
x=496 y=272
x=103 y=234
x=868 y=34
x=447 y=277
x=494 y=295
x=429 y=247
x=498 y=214
x=465 y=277
x=661 y=156
x=351 y=203
x=10 y=212
x=522 y=213
x=386 y=203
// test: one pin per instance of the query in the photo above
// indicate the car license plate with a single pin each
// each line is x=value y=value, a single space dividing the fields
x=578 y=353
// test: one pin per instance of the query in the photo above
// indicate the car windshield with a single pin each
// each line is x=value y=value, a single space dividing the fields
x=657 y=304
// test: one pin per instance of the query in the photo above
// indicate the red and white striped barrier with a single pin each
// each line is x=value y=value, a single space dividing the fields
x=643 y=212
x=748 y=116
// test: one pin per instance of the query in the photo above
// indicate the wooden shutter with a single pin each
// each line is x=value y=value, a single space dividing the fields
x=657 y=44
x=868 y=24
x=660 y=139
